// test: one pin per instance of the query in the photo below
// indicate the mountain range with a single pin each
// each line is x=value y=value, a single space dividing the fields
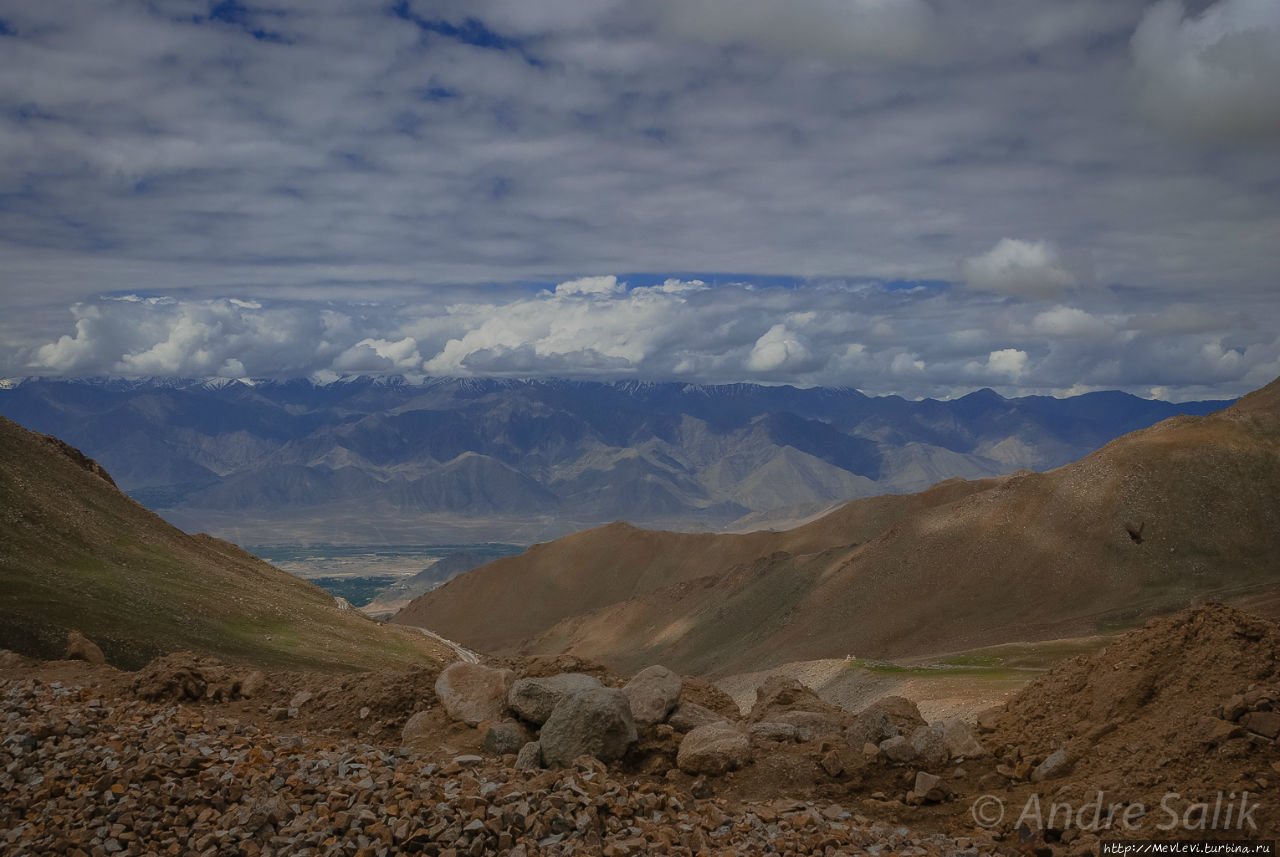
x=1160 y=518
x=384 y=460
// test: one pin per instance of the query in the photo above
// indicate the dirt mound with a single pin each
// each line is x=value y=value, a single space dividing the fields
x=1184 y=704
x=185 y=676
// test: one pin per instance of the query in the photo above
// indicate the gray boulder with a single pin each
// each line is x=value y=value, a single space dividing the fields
x=652 y=693
x=883 y=719
x=897 y=749
x=772 y=731
x=960 y=741
x=474 y=693
x=690 y=715
x=929 y=747
x=533 y=699
x=810 y=725
x=714 y=749
x=595 y=722
x=505 y=737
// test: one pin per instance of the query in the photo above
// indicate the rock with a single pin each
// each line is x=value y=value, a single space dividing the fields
x=652 y=693
x=897 y=749
x=989 y=720
x=832 y=764
x=418 y=726
x=530 y=757
x=929 y=746
x=688 y=716
x=960 y=741
x=1213 y=731
x=929 y=788
x=1265 y=723
x=771 y=731
x=778 y=693
x=1055 y=765
x=713 y=748
x=473 y=693
x=883 y=719
x=533 y=699
x=1234 y=708
x=251 y=685
x=505 y=737
x=81 y=648
x=595 y=722
x=300 y=699
x=810 y=725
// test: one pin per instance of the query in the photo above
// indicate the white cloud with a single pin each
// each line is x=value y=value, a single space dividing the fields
x=829 y=29
x=1212 y=75
x=1008 y=361
x=778 y=349
x=1064 y=321
x=1030 y=269
x=591 y=287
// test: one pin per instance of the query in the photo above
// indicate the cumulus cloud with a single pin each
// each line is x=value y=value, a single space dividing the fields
x=1008 y=361
x=879 y=337
x=779 y=348
x=1065 y=321
x=1212 y=75
x=468 y=188
x=1032 y=269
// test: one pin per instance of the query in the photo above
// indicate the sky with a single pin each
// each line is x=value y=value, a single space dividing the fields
x=920 y=197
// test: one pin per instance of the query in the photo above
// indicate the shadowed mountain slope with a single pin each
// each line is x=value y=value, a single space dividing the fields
x=75 y=553
x=1149 y=523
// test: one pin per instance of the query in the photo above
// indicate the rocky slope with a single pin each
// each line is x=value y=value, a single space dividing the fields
x=76 y=553
x=1167 y=718
x=454 y=460
x=1185 y=509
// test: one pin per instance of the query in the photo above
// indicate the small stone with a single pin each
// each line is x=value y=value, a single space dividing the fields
x=1053 y=766
x=530 y=757
x=1265 y=723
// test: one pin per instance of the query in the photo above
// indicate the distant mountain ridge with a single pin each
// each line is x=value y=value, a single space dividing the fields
x=532 y=459
x=1163 y=517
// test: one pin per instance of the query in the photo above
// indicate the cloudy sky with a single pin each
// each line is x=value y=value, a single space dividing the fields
x=912 y=196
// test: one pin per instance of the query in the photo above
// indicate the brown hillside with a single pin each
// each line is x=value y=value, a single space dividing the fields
x=75 y=553
x=1031 y=556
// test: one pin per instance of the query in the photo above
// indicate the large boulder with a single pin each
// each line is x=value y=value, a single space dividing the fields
x=473 y=693
x=929 y=747
x=506 y=737
x=690 y=715
x=653 y=692
x=594 y=722
x=810 y=725
x=533 y=699
x=714 y=748
x=417 y=728
x=81 y=648
x=960 y=740
x=884 y=719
